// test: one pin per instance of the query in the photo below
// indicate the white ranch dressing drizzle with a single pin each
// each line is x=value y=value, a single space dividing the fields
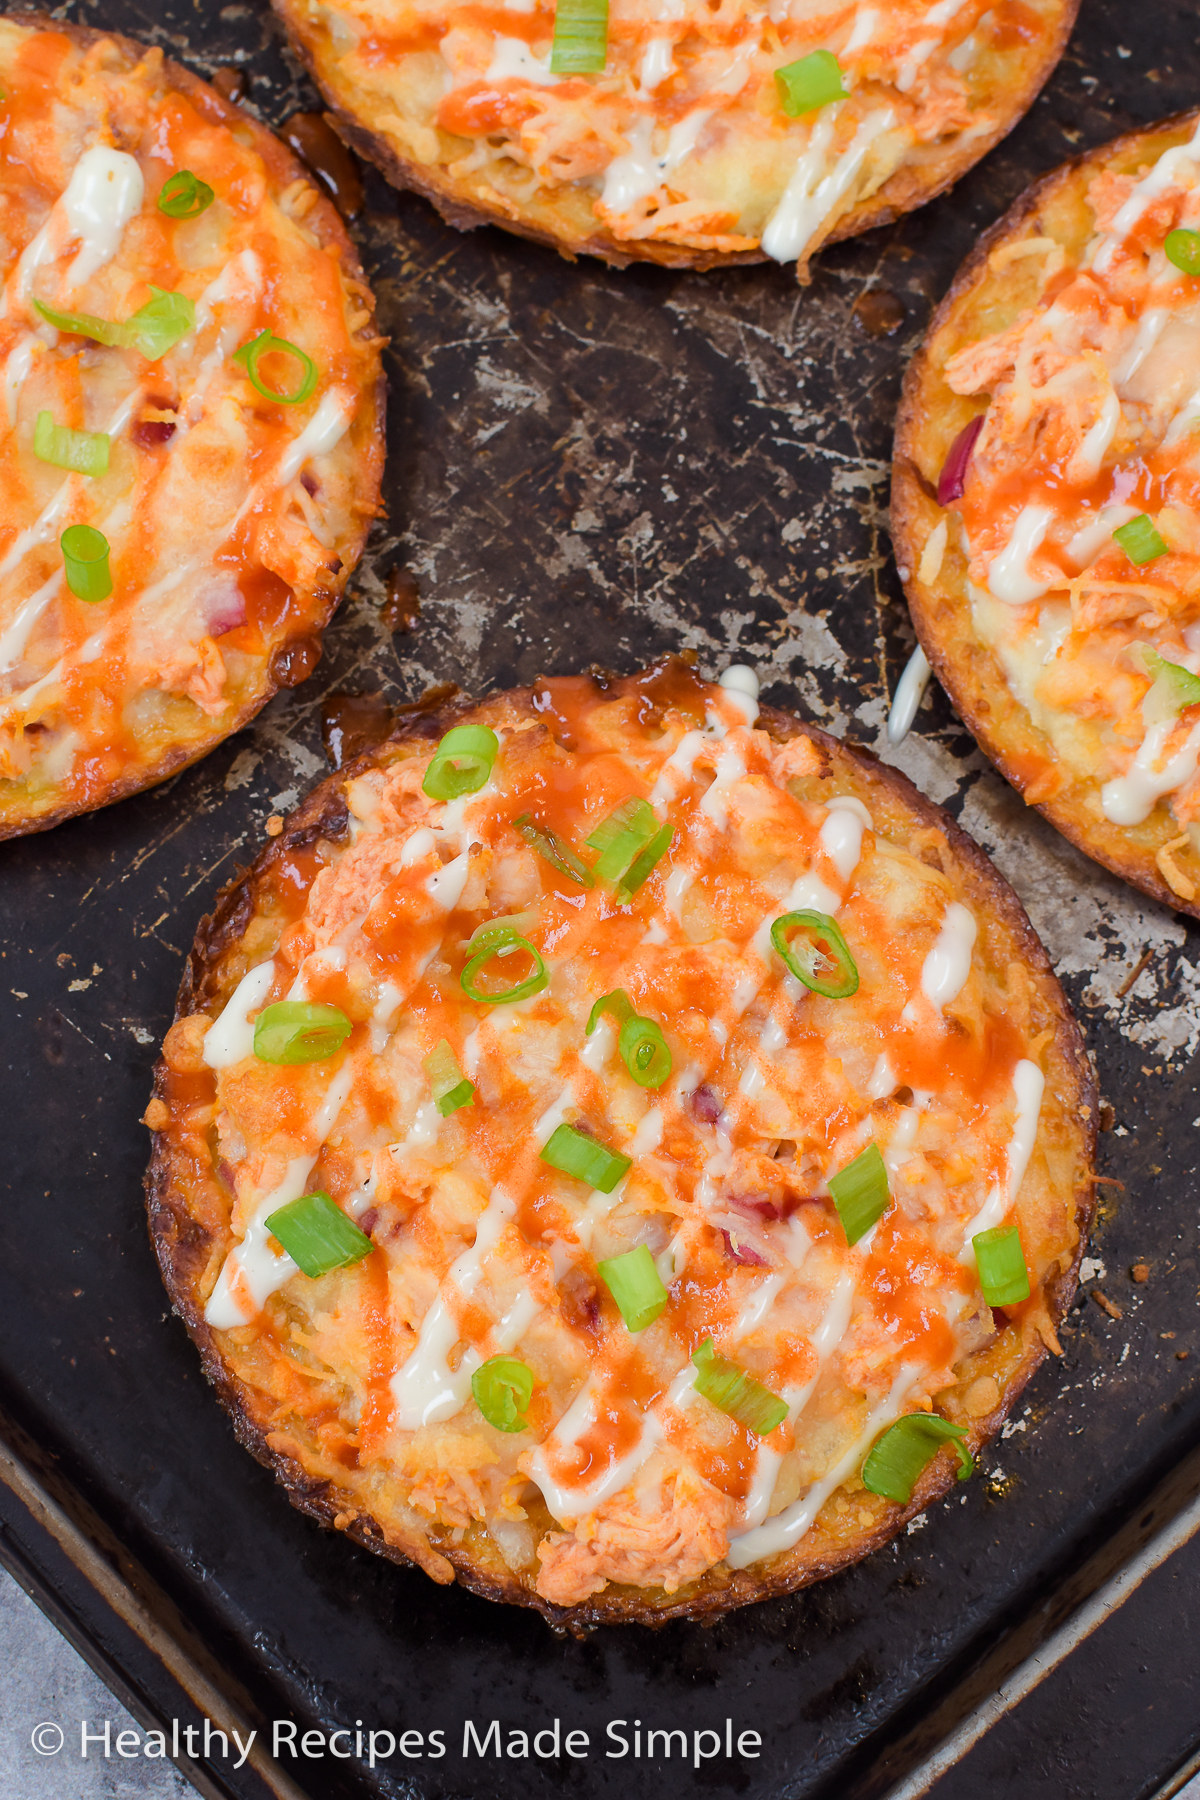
x=946 y=968
x=1029 y=1084
x=231 y=1039
x=1008 y=576
x=937 y=18
x=814 y=189
x=1091 y=452
x=910 y=691
x=104 y=193
x=567 y=1502
x=14 y=640
x=513 y=60
x=642 y=170
x=424 y=1387
x=1149 y=330
x=16 y=372
x=866 y=20
x=1089 y=540
x=795 y=1520
x=1130 y=798
x=325 y=430
x=1160 y=177
x=252 y=1266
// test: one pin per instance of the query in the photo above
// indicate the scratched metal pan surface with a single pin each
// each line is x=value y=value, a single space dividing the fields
x=593 y=466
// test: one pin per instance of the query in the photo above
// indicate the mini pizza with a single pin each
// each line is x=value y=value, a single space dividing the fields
x=1046 y=504
x=685 y=132
x=620 y=1147
x=191 y=419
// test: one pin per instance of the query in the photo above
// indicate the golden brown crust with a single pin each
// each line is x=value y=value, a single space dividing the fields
x=930 y=417
x=185 y=1245
x=325 y=222
x=919 y=179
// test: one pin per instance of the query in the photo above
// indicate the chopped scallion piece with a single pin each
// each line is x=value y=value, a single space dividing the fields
x=620 y=837
x=1174 y=686
x=503 y=1388
x=633 y=1281
x=556 y=851
x=1140 y=540
x=580 y=37
x=267 y=344
x=184 y=196
x=318 y=1236
x=447 y=1083
x=1001 y=1263
x=1183 y=249
x=815 y=951
x=642 y=866
x=737 y=1393
x=86 y=452
x=809 y=84
x=153 y=329
x=861 y=1193
x=501 y=940
x=899 y=1455
x=85 y=562
x=461 y=763
x=586 y=1159
x=299 y=1031
x=640 y=1042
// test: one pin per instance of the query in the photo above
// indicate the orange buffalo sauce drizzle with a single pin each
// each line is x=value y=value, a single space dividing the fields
x=603 y=946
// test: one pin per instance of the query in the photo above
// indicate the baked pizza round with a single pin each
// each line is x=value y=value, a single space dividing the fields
x=620 y=1147
x=685 y=132
x=1046 y=502
x=192 y=419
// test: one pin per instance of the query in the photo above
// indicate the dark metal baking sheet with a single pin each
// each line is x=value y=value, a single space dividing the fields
x=587 y=465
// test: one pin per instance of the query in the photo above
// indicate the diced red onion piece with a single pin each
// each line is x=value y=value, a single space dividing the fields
x=754 y=1206
x=224 y=606
x=742 y=1252
x=706 y=1105
x=953 y=478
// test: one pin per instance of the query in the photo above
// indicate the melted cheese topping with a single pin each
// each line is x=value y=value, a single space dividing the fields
x=1094 y=419
x=482 y=1248
x=229 y=517
x=682 y=139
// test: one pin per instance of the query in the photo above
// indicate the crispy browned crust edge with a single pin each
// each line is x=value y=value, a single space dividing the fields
x=970 y=684
x=911 y=186
x=182 y=1248
x=326 y=221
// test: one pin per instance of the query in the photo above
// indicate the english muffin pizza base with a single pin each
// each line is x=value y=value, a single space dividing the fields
x=270 y=636
x=995 y=286
x=470 y=187
x=189 y=1200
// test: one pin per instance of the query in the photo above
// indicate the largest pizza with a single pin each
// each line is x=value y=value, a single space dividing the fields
x=190 y=441
x=688 y=132
x=620 y=1147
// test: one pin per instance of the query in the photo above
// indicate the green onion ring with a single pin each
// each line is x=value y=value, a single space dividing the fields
x=85 y=563
x=1183 y=249
x=251 y=354
x=184 y=196
x=1000 y=1260
x=85 y=452
x=461 y=763
x=318 y=1236
x=636 y=1286
x=502 y=1388
x=899 y=1455
x=501 y=942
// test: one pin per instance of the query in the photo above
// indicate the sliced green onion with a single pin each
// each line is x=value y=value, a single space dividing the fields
x=153 y=329
x=1001 y=1262
x=556 y=851
x=737 y=1393
x=633 y=1281
x=86 y=452
x=811 y=83
x=461 y=763
x=501 y=940
x=184 y=196
x=318 y=1235
x=1183 y=249
x=447 y=1083
x=899 y=1455
x=85 y=562
x=1174 y=686
x=817 y=954
x=267 y=344
x=299 y=1031
x=640 y=1042
x=620 y=837
x=586 y=1159
x=503 y=1388
x=861 y=1193
x=643 y=865
x=580 y=37
x=1140 y=540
